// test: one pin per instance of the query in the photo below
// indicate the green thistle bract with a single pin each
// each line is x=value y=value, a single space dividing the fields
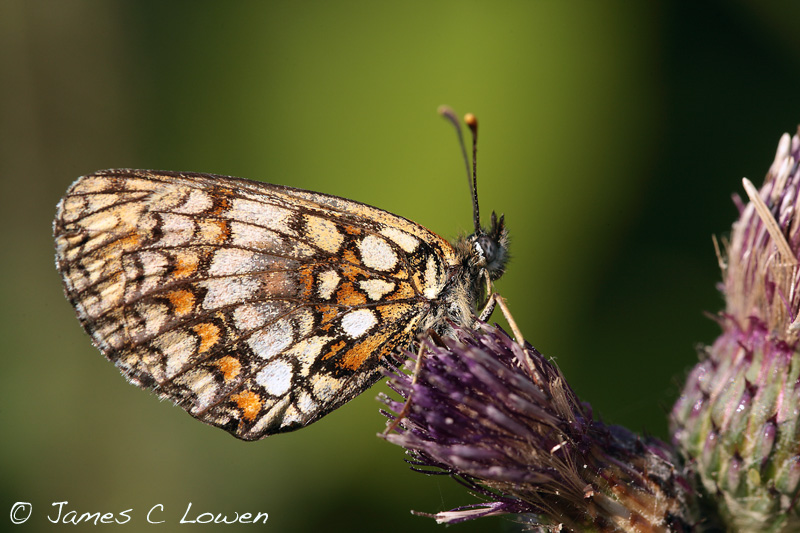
x=736 y=420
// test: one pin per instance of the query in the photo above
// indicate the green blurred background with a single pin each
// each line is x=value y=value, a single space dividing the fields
x=613 y=135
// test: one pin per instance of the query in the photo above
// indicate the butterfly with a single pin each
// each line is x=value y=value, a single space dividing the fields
x=260 y=308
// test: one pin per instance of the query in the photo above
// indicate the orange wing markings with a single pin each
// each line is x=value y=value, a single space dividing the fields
x=185 y=265
x=334 y=349
x=229 y=366
x=347 y=295
x=249 y=402
x=209 y=334
x=370 y=347
x=182 y=301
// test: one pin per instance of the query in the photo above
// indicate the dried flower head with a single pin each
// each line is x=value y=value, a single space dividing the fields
x=503 y=421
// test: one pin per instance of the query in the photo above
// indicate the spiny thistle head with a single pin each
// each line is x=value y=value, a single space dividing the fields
x=503 y=421
x=736 y=421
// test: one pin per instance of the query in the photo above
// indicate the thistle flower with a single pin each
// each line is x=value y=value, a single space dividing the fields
x=737 y=418
x=503 y=421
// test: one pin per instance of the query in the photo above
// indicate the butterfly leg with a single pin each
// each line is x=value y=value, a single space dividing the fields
x=488 y=308
x=511 y=322
x=407 y=406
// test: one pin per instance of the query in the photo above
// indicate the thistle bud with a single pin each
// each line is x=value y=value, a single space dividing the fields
x=736 y=421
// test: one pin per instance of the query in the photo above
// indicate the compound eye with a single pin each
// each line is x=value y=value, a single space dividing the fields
x=494 y=254
x=489 y=248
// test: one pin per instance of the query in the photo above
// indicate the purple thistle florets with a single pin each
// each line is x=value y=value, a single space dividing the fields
x=502 y=420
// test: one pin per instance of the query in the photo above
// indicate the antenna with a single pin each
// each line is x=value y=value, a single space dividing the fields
x=472 y=124
x=472 y=177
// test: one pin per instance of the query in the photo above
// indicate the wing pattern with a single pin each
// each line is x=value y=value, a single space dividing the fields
x=256 y=308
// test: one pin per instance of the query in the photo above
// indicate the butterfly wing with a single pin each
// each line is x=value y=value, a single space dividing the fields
x=257 y=308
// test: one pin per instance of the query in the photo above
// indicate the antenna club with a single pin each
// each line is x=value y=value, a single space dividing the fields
x=472 y=123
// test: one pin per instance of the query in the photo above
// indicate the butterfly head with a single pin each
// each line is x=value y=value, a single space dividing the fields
x=491 y=247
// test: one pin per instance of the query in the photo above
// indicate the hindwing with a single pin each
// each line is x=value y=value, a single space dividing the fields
x=257 y=308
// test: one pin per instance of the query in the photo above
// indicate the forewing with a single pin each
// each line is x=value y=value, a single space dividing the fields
x=257 y=308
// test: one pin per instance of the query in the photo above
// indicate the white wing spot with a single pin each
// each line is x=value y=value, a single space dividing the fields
x=433 y=283
x=154 y=316
x=306 y=403
x=376 y=288
x=257 y=314
x=262 y=214
x=252 y=236
x=269 y=342
x=405 y=241
x=358 y=322
x=177 y=346
x=228 y=291
x=326 y=388
x=323 y=233
x=177 y=230
x=197 y=202
x=276 y=378
x=291 y=416
x=376 y=253
x=203 y=384
x=327 y=283
x=276 y=411
x=305 y=352
x=232 y=261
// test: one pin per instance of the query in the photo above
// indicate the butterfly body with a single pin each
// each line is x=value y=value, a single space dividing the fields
x=257 y=308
